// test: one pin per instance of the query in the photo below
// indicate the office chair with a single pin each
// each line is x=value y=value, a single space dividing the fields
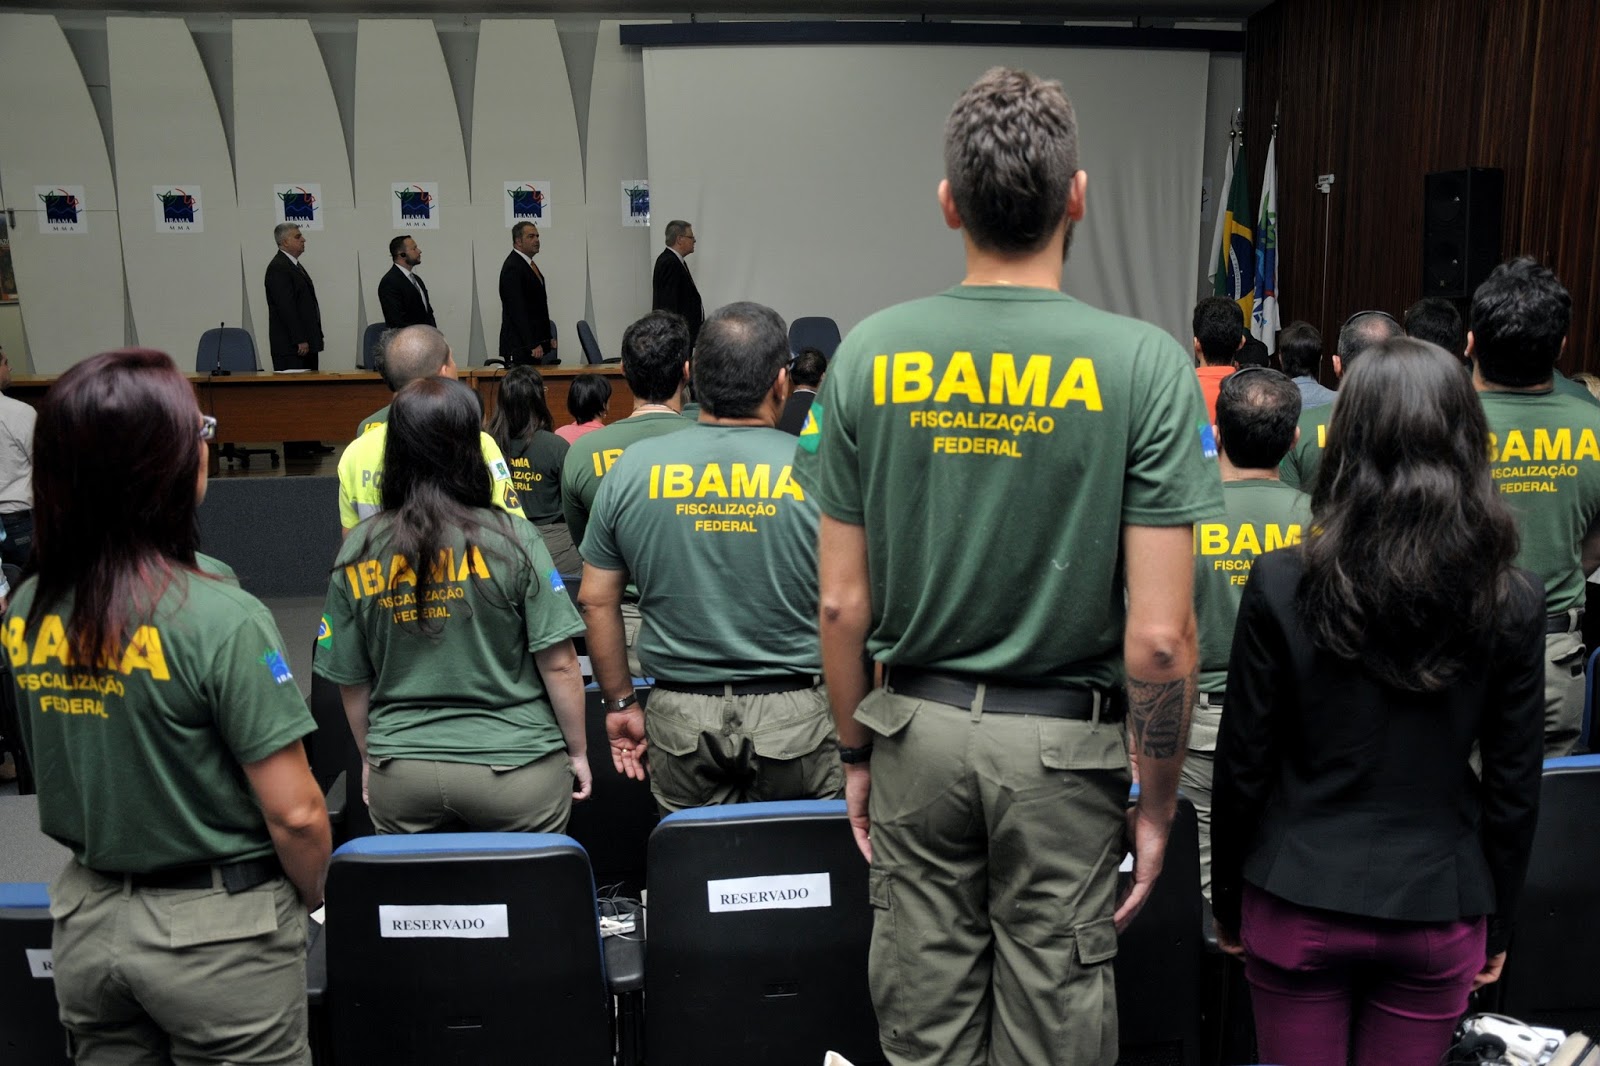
x=819 y=333
x=234 y=350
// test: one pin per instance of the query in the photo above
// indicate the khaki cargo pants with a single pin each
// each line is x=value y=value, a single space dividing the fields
x=151 y=976
x=707 y=750
x=996 y=840
x=1563 y=692
x=1198 y=771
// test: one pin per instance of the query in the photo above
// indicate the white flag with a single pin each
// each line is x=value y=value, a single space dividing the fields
x=1264 y=311
x=1221 y=202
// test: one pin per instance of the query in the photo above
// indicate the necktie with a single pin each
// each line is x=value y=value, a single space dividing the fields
x=423 y=290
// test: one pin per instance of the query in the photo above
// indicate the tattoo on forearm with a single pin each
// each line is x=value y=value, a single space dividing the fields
x=1157 y=713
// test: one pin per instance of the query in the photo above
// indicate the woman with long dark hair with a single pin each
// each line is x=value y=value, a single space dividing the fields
x=448 y=630
x=588 y=397
x=521 y=426
x=165 y=731
x=1369 y=873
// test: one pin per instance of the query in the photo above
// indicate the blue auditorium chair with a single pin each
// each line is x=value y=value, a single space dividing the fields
x=728 y=982
x=1549 y=977
x=1586 y=736
x=464 y=948
x=1160 y=958
x=813 y=332
x=29 y=1030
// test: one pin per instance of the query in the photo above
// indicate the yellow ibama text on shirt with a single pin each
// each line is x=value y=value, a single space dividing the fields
x=142 y=652
x=908 y=377
x=370 y=576
x=1215 y=538
x=675 y=481
x=1551 y=445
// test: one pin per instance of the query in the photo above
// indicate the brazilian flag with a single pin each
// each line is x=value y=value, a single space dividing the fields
x=1235 y=275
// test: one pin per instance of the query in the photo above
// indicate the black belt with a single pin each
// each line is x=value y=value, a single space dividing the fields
x=1564 y=621
x=1077 y=704
x=761 y=686
x=235 y=876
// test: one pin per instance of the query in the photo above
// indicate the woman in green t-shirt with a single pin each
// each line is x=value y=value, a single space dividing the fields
x=165 y=730
x=448 y=629
x=521 y=426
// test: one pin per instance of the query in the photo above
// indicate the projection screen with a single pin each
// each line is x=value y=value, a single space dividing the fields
x=809 y=171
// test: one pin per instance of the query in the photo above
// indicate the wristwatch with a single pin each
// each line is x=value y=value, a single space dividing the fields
x=611 y=706
x=851 y=756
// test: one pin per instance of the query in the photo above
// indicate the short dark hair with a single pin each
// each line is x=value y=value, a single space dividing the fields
x=411 y=353
x=809 y=366
x=1361 y=331
x=676 y=229
x=737 y=357
x=1257 y=409
x=1300 y=347
x=520 y=228
x=1218 y=326
x=1010 y=154
x=587 y=397
x=398 y=243
x=1436 y=320
x=654 y=350
x=1253 y=352
x=1520 y=316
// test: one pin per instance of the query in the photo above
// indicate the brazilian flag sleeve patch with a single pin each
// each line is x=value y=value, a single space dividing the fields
x=324 y=633
x=811 y=432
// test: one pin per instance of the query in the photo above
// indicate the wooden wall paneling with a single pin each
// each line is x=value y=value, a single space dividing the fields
x=70 y=284
x=167 y=132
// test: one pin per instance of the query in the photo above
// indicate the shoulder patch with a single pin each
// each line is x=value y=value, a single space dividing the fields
x=556 y=584
x=811 y=432
x=324 y=633
x=1208 y=441
x=499 y=470
x=272 y=659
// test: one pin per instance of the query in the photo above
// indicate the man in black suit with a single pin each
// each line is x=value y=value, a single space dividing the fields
x=401 y=293
x=294 y=321
x=672 y=287
x=524 y=303
x=805 y=378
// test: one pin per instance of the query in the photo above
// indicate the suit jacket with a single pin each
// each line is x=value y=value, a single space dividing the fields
x=795 y=409
x=672 y=288
x=293 y=317
x=524 y=311
x=401 y=302
x=1338 y=792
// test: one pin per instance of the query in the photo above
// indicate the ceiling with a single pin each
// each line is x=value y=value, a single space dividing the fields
x=970 y=9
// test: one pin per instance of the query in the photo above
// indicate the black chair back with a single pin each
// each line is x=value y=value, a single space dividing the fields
x=814 y=332
x=614 y=824
x=591 y=347
x=1159 y=958
x=225 y=348
x=367 y=358
x=29 y=1030
x=728 y=980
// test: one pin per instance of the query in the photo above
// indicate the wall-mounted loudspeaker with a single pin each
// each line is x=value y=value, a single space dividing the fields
x=1460 y=229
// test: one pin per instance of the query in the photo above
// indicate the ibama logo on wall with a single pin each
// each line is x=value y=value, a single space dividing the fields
x=179 y=209
x=64 y=210
x=416 y=204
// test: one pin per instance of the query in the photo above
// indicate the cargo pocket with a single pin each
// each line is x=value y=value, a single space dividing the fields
x=1097 y=941
x=218 y=917
x=667 y=729
x=885 y=713
x=69 y=890
x=884 y=977
x=793 y=725
x=1069 y=745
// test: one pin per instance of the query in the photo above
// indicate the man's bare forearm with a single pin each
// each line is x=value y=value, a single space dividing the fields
x=1158 y=716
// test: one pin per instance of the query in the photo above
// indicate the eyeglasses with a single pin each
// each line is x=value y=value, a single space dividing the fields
x=208 y=427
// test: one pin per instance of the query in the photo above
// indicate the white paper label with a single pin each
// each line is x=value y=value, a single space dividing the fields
x=41 y=964
x=588 y=667
x=780 y=892
x=483 y=922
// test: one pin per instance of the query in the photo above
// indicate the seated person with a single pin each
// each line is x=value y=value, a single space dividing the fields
x=448 y=630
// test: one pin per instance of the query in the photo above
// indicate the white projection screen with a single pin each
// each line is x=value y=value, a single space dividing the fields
x=809 y=171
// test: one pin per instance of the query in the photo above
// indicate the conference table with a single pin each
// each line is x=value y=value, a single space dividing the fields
x=269 y=406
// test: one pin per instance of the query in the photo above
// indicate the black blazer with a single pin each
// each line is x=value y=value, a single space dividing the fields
x=402 y=303
x=524 y=312
x=795 y=409
x=293 y=317
x=1337 y=792
x=672 y=288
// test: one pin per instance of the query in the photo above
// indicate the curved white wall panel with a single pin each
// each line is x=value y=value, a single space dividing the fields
x=408 y=130
x=287 y=132
x=524 y=127
x=167 y=133
x=70 y=284
x=620 y=258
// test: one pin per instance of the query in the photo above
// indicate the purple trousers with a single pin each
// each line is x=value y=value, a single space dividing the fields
x=1334 y=989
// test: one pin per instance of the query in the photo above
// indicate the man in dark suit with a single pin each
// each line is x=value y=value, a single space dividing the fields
x=524 y=303
x=294 y=321
x=672 y=287
x=805 y=378
x=401 y=293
